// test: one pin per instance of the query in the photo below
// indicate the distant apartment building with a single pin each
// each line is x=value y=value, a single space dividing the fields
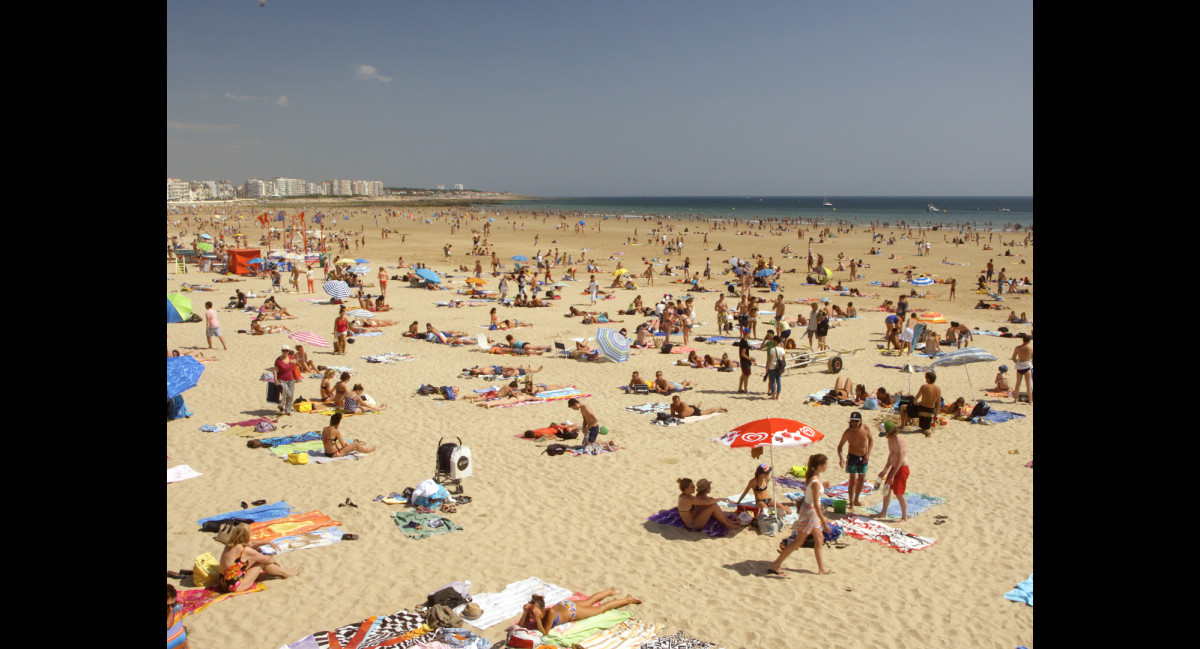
x=178 y=190
x=256 y=188
x=441 y=187
x=458 y=187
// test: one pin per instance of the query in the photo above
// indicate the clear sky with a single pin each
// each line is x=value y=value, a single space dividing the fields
x=612 y=98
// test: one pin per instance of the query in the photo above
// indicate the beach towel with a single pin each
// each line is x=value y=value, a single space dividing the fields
x=449 y=637
x=676 y=421
x=428 y=529
x=1023 y=592
x=291 y=439
x=214 y=428
x=290 y=525
x=842 y=492
x=592 y=449
x=282 y=450
x=498 y=607
x=678 y=641
x=713 y=527
x=569 y=633
x=389 y=357
x=648 y=408
x=321 y=457
x=367 y=335
x=917 y=503
x=255 y=422
x=876 y=532
x=561 y=394
x=630 y=634
x=996 y=417
x=181 y=472
x=194 y=600
x=401 y=629
x=329 y=412
x=313 y=539
x=256 y=514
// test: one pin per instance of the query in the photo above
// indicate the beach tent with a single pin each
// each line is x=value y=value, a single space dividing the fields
x=239 y=259
x=179 y=307
x=183 y=373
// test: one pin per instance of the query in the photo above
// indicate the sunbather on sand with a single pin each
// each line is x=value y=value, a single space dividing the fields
x=196 y=355
x=843 y=388
x=533 y=389
x=584 y=353
x=257 y=328
x=695 y=511
x=335 y=444
x=537 y=616
x=353 y=403
x=503 y=392
x=663 y=386
x=271 y=306
x=519 y=347
x=516 y=398
x=505 y=371
x=327 y=385
x=682 y=410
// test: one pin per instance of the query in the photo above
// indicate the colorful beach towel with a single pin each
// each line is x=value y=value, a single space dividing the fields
x=842 y=491
x=876 y=532
x=291 y=439
x=401 y=629
x=996 y=417
x=195 y=600
x=1023 y=592
x=649 y=408
x=713 y=527
x=426 y=521
x=508 y=603
x=561 y=394
x=313 y=539
x=290 y=525
x=917 y=503
x=678 y=641
x=630 y=634
x=569 y=633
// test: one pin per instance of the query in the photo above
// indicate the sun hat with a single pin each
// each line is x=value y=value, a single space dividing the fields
x=472 y=611
x=702 y=484
x=286 y=348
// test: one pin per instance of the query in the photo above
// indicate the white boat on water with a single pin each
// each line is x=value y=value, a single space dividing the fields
x=933 y=209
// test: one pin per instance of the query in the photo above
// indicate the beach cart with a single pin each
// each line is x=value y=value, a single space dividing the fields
x=804 y=356
x=453 y=464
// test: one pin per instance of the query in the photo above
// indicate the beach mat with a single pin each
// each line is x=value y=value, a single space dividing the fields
x=314 y=539
x=255 y=514
x=1023 y=592
x=579 y=631
x=194 y=600
x=400 y=629
x=917 y=503
x=630 y=634
x=181 y=472
x=713 y=527
x=508 y=603
x=678 y=641
x=561 y=394
x=403 y=518
x=290 y=525
x=876 y=532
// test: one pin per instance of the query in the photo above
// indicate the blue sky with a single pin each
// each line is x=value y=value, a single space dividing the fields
x=607 y=98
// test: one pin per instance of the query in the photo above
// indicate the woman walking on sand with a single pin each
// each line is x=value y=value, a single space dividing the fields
x=812 y=519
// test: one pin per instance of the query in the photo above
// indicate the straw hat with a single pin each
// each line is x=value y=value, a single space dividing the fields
x=472 y=611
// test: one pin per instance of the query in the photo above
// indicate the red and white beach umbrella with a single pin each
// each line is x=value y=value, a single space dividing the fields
x=771 y=432
x=308 y=338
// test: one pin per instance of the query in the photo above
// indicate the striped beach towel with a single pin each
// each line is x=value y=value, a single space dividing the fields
x=498 y=607
x=876 y=532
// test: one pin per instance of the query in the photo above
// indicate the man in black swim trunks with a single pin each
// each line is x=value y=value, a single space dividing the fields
x=590 y=423
x=855 y=463
x=682 y=410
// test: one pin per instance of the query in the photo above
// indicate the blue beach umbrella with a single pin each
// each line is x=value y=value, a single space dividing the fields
x=206 y=236
x=362 y=261
x=428 y=275
x=256 y=260
x=921 y=281
x=613 y=345
x=183 y=373
x=964 y=357
x=766 y=272
x=583 y=223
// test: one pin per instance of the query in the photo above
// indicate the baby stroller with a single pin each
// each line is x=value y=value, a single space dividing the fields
x=453 y=464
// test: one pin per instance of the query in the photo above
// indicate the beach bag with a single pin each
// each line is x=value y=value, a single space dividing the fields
x=297 y=458
x=522 y=638
x=555 y=449
x=769 y=524
x=440 y=615
x=981 y=409
x=871 y=403
x=274 y=392
x=426 y=390
x=264 y=427
x=567 y=434
x=667 y=347
x=641 y=388
x=449 y=393
x=204 y=570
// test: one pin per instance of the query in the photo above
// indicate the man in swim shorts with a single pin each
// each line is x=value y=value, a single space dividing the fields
x=895 y=473
x=860 y=441
x=590 y=423
x=929 y=400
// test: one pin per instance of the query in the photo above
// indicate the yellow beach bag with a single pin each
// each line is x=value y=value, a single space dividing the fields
x=297 y=458
x=204 y=570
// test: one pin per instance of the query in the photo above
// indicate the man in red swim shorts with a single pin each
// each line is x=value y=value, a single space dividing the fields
x=895 y=472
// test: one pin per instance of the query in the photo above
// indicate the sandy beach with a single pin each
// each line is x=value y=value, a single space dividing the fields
x=579 y=522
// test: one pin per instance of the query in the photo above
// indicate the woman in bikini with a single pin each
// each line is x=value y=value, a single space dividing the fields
x=812 y=519
x=303 y=364
x=760 y=484
x=242 y=564
x=696 y=511
x=335 y=444
x=327 y=385
x=257 y=328
x=339 y=390
x=537 y=616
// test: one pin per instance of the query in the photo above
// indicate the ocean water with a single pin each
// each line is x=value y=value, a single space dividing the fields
x=952 y=210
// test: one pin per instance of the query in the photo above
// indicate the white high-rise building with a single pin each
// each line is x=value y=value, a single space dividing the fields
x=458 y=187
x=178 y=190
